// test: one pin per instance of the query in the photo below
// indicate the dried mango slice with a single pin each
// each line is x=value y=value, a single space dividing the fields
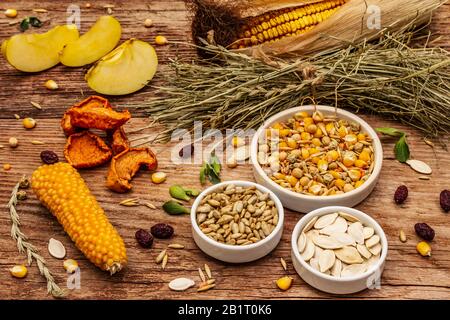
x=88 y=103
x=86 y=150
x=125 y=165
x=119 y=140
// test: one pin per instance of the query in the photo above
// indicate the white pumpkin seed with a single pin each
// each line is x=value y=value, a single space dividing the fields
x=314 y=263
x=56 y=248
x=326 y=242
x=362 y=249
x=181 y=284
x=344 y=238
x=317 y=252
x=326 y=260
x=372 y=241
x=301 y=243
x=354 y=270
x=312 y=234
x=376 y=249
x=310 y=224
x=325 y=220
x=368 y=232
x=356 y=231
x=309 y=250
x=348 y=255
x=339 y=225
x=336 y=268
x=419 y=166
x=348 y=217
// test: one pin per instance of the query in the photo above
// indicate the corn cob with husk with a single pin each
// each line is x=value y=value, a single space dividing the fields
x=258 y=27
x=63 y=191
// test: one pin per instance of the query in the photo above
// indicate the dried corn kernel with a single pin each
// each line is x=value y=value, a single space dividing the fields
x=342 y=131
x=300 y=115
x=291 y=143
x=308 y=121
x=51 y=85
x=292 y=180
x=315 y=189
x=354 y=174
x=351 y=139
x=7 y=167
x=62 y=190
x=282 y=144
x=304 y=181
x=284 y=132
x=333 y=155
x=349 y=159
x=361 y=137
x=159 y=177
x=339 y=183
x=284 y=283
x=305 y=135
x=311 y=128
x=11 y=13
x=70 y=265
x=29 y=123
x=19 y=271
x=424 y=249
x=364 y=156
x=329 y=126
x=161 y=40
x=360 y=163
x=335 y=174
x=13 y=142
x=348 y=187
x=358 y=183
x=318 y=133
x=322 y=165
x=305 y=153
x=316 y=142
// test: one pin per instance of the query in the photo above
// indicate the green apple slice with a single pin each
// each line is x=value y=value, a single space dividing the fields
x=103 y=36
x=35 y=52
x=124 y=70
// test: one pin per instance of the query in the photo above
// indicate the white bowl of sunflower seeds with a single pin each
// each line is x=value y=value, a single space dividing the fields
x=316 y=156
x=237 y=221
x=339 y=250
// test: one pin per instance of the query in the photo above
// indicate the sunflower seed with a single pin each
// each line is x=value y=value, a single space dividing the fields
x=325 y=220
x=181 y=284
x=353 y=270
x=362 y=249
x=356 y=231
x=301 y=243
x=326 y=260
x=348 y=255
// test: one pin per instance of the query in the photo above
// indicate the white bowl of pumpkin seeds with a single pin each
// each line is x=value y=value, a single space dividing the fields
x=237 y=221
x=339 y=250
x=316 y=156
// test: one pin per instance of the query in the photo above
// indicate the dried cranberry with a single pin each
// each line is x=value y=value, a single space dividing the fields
x=187 y=151
x=144 y=238
x=424 y=231
x=49 y=157
x=401 y=194
x=444 y=200
x=162 y=231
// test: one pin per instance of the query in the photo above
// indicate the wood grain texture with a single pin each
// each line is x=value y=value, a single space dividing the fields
x=407 y=275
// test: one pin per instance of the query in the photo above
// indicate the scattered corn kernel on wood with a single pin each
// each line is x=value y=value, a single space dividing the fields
x=161 y=40
x=284 y=283
x=424 y=249
x=51 y=85
x=29 y=123
x=70 y=265
x=19 y=271
x=63 y=191
x=159 y=177
x=11 y=13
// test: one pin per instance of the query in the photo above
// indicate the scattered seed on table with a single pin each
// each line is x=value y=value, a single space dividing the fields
x=208 y=271
x=205 y=288
x=175 y=246
x=160 y=256
x=164 y=261
x=202 y=275
x=283 y=264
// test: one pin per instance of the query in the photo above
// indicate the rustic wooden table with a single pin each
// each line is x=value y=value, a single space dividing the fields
x=407 y=275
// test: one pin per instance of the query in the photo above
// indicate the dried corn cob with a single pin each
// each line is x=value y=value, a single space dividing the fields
x=277 y=24
x=62 y=190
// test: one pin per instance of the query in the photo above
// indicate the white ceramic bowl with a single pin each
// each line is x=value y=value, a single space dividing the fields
x=235 y=253
x=369 y=279
x=305 y=203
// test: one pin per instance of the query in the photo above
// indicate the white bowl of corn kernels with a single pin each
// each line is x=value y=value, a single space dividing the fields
x=316 y=156
x=237 y=221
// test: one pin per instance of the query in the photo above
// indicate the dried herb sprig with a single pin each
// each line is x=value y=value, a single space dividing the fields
x=389 y=77
x=30 y=250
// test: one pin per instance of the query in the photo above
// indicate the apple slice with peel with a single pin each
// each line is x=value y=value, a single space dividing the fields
x=124 y=70
x=101 y=38
x=35 y=52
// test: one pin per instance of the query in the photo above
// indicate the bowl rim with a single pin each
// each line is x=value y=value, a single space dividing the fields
x=237 y=248
x=378 y=153
x=329 y=209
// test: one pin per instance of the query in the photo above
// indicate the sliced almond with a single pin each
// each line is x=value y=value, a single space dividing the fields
x=309 y=250
x=348 y=255
x=362 y=249
x=326 y=242
x=181 y=284
x=356 y=231
x=419 y=166
x=368 y=232
x=56 y=248
x=372 y=241
x=301 y=242
x=310 y=224
x=339 y=225
x=314 y=263
x=325 y=220
x=344 y=238
x=376 y=249
x=354 y=270
x=326 y=260
x=348 y=216
x=336 y=268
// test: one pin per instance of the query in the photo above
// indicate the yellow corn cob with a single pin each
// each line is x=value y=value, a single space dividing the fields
x=62 y=190
x=282 y=23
